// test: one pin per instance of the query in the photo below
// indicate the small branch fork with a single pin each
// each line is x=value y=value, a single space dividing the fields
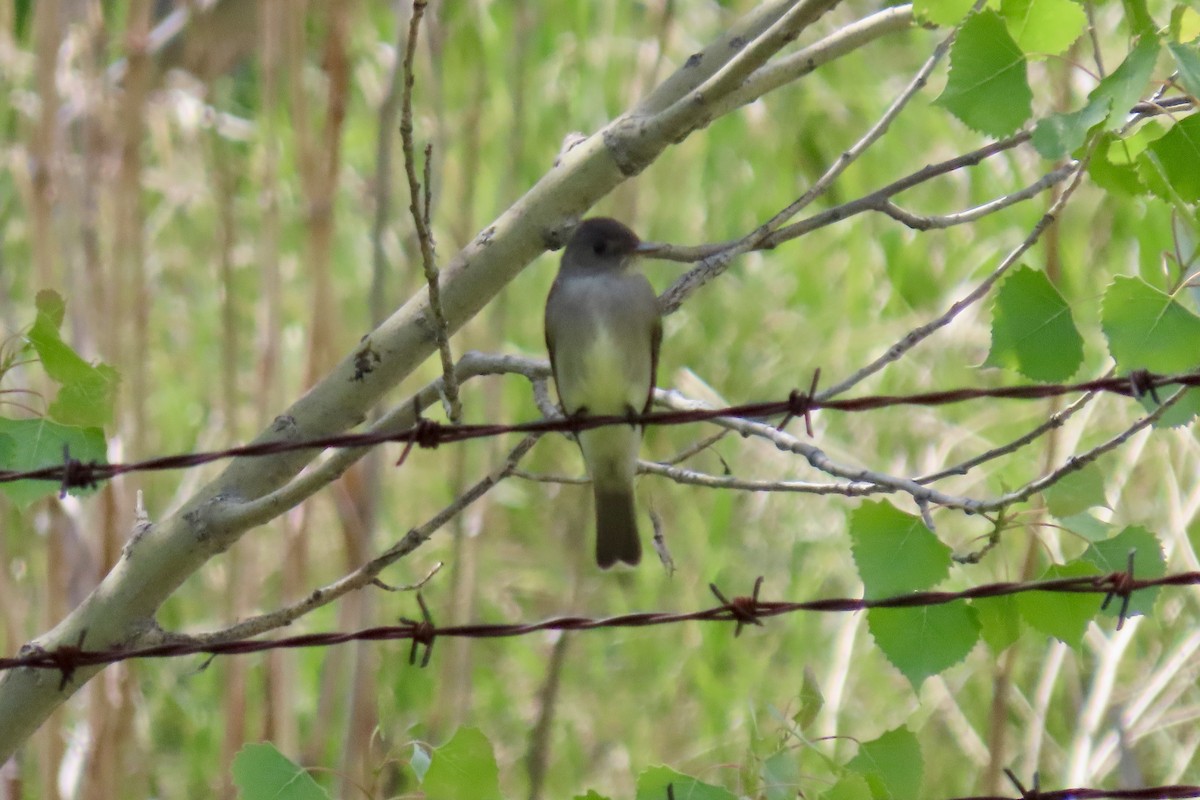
x=741 y=610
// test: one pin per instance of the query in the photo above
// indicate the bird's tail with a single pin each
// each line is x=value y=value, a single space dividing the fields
x=616 y=526
x=611 y=455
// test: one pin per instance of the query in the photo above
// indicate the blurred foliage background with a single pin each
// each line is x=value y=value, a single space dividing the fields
x=208 y=209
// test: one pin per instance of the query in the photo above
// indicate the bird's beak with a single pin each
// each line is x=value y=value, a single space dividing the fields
x=650 y=248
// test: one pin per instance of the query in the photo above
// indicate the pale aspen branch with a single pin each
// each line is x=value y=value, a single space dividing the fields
x=882 y=482
x=701 y=66
x=401 y=417
x=737 y=69
x=817 y=458
x=792 y=67
x=368 y=573
x=707 y=481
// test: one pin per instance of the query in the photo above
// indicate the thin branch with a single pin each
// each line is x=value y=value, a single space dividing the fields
x=924 y=223
x=421 y=213
x=695 y=448
x=1055 y=420
x=707 y=481
x=715 y=265
x=919 y=334
x=368 y=573
x=1076 y=463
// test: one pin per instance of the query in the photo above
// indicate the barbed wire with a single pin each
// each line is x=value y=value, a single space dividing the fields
x=429 y=434
x=741 y=610
x=1035 y=792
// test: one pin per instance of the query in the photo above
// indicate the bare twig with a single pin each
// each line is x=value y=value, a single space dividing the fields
x=919 y=334
x=419 y=209
x=716 y=264
x=368 y=574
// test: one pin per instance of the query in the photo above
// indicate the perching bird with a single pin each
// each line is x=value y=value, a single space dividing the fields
x=603 y=331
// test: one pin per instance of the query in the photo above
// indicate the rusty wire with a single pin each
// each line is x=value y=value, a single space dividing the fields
x=428 y=434
x=741 y=610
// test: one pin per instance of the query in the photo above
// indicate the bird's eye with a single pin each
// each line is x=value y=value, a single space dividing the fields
x=600 y=248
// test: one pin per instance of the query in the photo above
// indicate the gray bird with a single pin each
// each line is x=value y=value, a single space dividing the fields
x=603 y=331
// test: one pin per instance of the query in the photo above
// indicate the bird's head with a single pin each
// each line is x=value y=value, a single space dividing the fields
x=602 y=243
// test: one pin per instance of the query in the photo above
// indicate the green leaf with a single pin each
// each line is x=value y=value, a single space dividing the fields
x=591 y=795
x=652 y=785
x=1128 y=82
x=1062 y=615
x=941 y=12
x=894 y=551
x=988 y=88
x=999 y=621
x=892 y=765
x=35 y=443
x=261 y=772
x=780 y=775
x=1032 y=329
x=924 y=641
x=1087 y=526
x=88 y=392
x=849 y=787
x=1059 y=134
x=1109 y=102
x=1185 y=24
x=1076 y=492
x=1187 y=61
x=1112 y=555
x=1110 y=174
x=1148 y=329
x=811 y=700
x=463 y=767
x=1168 y=166
x=1048 y=27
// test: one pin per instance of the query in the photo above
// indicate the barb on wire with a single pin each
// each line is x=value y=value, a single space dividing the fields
x=740 y=610
x=1121 y=582
x=800 y=405
x=428 y=434
x=423 y=633
x=743 y=609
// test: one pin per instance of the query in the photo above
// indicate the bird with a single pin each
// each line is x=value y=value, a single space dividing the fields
x=603 y=331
